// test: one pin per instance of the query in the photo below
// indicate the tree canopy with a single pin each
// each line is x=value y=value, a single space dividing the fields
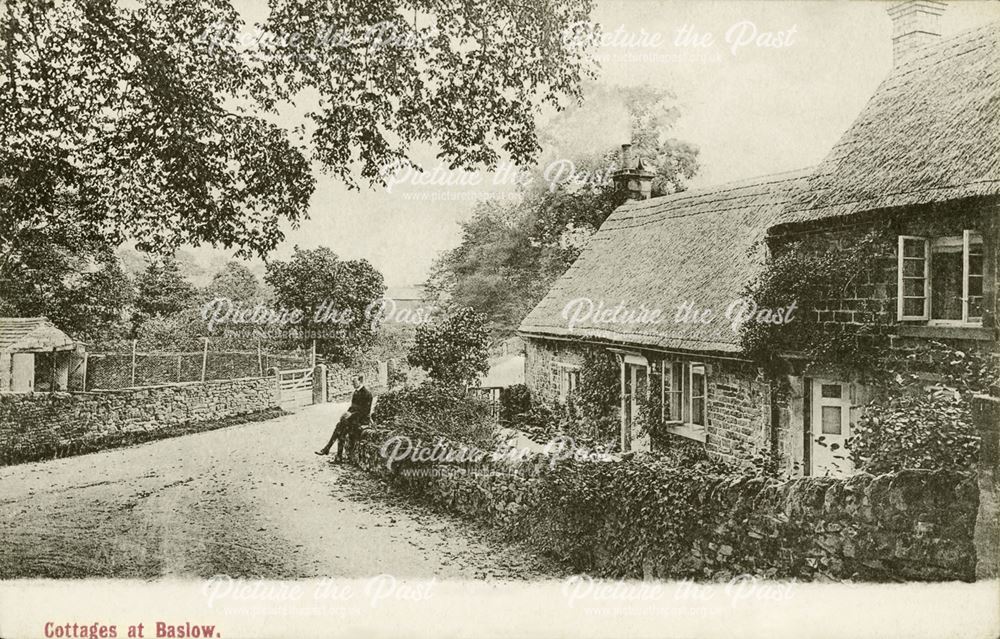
x=74 y=280
x=157 y=120
x=334 y=298
x=511 y=252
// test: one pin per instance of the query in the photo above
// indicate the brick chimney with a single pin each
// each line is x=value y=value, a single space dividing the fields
x=915 y=24
x=636 y=180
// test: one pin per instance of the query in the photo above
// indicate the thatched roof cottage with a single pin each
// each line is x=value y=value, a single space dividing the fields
x=921 y=162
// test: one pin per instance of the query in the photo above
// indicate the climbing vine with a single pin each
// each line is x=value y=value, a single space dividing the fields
x=824 y=281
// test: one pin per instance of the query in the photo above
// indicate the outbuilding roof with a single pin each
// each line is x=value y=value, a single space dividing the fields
x=20 y=334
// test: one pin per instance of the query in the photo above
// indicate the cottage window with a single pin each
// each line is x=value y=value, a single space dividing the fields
x=685 y=398
x=565 y=379
x=940 y=279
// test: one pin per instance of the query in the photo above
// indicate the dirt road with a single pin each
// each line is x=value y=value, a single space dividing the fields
x=249 y=501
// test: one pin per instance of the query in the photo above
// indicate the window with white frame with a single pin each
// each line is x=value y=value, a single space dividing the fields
x=685 y=393
x=940 y=280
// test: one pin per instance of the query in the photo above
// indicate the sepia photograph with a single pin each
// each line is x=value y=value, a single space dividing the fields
x=499 y=318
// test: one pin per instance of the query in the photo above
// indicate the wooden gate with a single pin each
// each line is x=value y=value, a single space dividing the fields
x=295 y=388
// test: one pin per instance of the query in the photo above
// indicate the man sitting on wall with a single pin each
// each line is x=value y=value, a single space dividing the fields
x=349 y=426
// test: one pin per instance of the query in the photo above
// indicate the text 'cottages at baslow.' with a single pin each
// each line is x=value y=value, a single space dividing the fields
x=918 y=171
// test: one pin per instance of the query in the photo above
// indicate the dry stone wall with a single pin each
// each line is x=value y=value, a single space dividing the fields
x=911 y=525
x=38 y=425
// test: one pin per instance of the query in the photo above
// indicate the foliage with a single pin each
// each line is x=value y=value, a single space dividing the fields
x=452 y=349
x=647 y=511
x=70 y=277
x=515 y=401
x=512 y=252
x=153 y=120
x=433 y=410
x=496 y=269
x=161 y=291
x=333 y=295
x=122 y=120
x=598 y=396
x=237 y=283
x=921 y=420
x=589 y=417
x=181 y=332
x=812 y=275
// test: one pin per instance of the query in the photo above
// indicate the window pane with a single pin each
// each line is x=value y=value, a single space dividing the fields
x=697 y=385
x=975 y=265
x=913 y=287
x=913 y=248
x=640 y=382
x=676 y=390
x=913 y=306
x=698 y=411
x=975 y=308
x=832 y=390
x=913 y=268
x=831 y=420
x=946 y=284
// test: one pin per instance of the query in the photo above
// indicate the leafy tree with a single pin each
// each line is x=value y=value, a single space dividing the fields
x=237 y=283
x=161 y=291
x=511 y=253
x=334 y=297
x=73 y=279
x=154 y=120
x=453 y=349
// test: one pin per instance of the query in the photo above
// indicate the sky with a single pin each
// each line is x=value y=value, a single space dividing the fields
x=751 y=110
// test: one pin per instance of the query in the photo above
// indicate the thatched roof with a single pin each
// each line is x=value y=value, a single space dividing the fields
x=26 y=334
x=697 y=246
x=930 y=133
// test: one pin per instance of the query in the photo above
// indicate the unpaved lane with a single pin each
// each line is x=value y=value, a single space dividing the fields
x=250 y=500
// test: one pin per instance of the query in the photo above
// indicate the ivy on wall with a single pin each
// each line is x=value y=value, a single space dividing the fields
x=816 y=275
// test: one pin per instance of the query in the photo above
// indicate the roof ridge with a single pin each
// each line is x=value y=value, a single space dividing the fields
x=721 y=187
x=925 y=55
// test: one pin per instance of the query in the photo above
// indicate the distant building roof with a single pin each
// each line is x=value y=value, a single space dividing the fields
x=31 y=334
x=699 y=247
x=930 y=133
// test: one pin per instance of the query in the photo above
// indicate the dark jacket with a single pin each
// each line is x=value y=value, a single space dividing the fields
x=361 y=406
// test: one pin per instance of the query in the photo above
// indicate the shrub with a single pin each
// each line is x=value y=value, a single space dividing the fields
x=454 y=349
x=919 y=423
x=514 y=401
x=432 y=410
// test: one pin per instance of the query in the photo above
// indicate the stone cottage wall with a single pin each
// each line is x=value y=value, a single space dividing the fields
x=739 y=403
x=36 y=425
x=539 y=357
x=739 y=413
x=871 y=298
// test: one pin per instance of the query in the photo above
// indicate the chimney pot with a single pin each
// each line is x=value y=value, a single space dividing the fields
x=915 y=24
x=635 y=180
x=626 y=156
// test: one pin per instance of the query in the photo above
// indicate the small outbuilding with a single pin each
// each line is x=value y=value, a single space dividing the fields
x=35 y=356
